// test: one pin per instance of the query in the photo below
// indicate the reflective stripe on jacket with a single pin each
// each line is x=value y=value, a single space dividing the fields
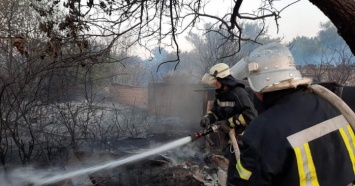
x=300 y=140
x=233 y=105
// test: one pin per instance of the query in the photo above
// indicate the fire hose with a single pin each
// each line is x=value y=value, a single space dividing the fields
x=214 y=128
x=337 y=102
x=332 y=98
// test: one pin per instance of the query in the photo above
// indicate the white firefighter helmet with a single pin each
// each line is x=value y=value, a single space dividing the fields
x=240 y=70
x=269 y=68
x=219 y=70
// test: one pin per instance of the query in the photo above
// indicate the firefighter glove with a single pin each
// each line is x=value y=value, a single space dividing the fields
x=224 y=125
x=205 y=121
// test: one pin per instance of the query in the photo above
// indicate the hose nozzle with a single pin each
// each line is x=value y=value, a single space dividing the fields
x=197 y=135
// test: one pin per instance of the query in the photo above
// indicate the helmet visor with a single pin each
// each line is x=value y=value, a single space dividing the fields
x=240 y=70
x=208 y=79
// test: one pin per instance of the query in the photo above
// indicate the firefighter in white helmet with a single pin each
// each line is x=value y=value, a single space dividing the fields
x=300 y=139
x=232 y=108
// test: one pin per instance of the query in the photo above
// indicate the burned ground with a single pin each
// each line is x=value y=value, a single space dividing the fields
x=190 y=164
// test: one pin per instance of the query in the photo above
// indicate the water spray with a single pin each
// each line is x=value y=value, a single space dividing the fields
x=49 y=178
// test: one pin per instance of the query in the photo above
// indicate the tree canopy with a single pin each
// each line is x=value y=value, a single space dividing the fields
x=162 y=21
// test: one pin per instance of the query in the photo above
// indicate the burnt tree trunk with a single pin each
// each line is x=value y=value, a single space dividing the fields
x=342 y=14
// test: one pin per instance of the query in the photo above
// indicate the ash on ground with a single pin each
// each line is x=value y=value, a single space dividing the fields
x=191 y=164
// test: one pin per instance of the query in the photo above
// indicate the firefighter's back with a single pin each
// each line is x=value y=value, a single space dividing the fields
x=303 y=140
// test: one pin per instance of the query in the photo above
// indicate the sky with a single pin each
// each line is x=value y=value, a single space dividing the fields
x=300 y=19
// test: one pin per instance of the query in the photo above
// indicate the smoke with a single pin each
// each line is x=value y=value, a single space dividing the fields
x=8 y=179
x=23 y=176
x=43 y=177
x=191 y=152
x=184 y=101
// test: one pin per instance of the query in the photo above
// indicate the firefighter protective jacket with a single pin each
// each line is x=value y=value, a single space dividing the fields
x=234 y=105
x=299 y=140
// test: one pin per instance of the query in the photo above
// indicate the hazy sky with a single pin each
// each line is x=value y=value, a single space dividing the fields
x=300 y=19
